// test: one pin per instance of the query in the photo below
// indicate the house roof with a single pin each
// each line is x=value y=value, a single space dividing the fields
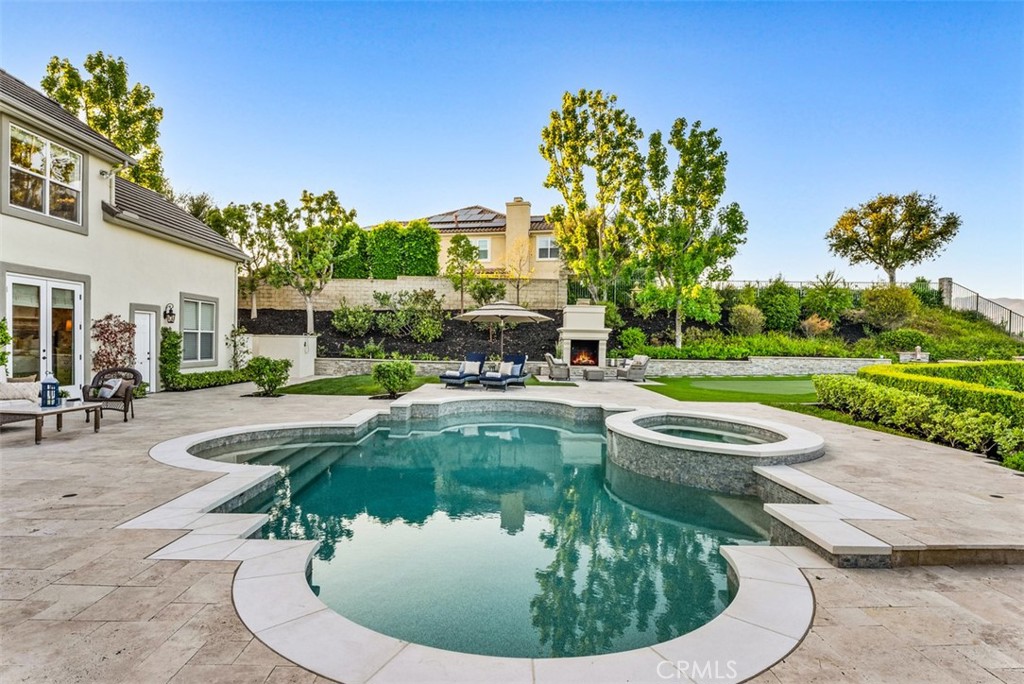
x=32 y=104
x=150 y=212
x=477 y=219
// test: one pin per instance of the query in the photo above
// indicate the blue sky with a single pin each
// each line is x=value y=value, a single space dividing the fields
x=408 y=110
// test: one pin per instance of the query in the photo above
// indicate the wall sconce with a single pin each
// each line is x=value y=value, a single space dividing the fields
x=169 y=315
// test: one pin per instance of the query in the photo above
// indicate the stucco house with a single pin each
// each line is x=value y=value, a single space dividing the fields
x=77 y=243
x=514 y=235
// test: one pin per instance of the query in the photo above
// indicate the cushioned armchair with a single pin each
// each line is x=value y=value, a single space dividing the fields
x=557 y=368
x=634 y=369
x=112 y=389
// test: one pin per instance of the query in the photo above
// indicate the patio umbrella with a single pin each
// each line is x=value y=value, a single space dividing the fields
x=502 y=313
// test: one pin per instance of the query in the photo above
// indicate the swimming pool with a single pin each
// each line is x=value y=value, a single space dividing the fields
x=501 y=534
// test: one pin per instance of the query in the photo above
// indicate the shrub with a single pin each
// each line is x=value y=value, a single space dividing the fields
x=394 y=376
x=815 y=325
x=420 y=248
x=418 y=314
x=238 y=348
x=612 y=317
x=632 y=340
x=889 y=307
x=740 y=347
x=116 y=342
x=486 y=291
x=5 y=339
x=745 y=319
x=925 y=293
x=902 y=339
x=354 y=321
x=384 y=250
x=828 y=298
x=961 y=395
x=170 y=368
x=916 y=414
x=351 y=259
x=370 y=350
x=268 y=374
x=780 y=305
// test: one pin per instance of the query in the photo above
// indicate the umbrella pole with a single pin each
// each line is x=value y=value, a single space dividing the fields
x=501 y=345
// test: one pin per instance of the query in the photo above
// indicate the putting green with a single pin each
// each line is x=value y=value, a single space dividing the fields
x=748 y=386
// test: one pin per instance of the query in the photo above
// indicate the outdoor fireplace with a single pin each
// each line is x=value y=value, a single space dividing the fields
x=584 y=352
x=583 y=338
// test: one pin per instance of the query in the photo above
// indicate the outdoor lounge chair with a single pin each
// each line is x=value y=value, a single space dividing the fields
x=467 y=372
x=634 y=369
x=557 y=368
x=120 y=397
x=515 y=373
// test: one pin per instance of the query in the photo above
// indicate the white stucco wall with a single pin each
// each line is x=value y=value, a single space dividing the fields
x=124 y=266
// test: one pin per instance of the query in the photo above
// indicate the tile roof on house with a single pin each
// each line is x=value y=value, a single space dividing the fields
x=477 y=219
x=153 y=213
x=28 y=100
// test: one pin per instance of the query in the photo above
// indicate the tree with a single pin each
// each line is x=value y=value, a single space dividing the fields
x=592 y=143
x=462 y=267
x=688 y=238
x=519 y=266
x=309 y=251
x=198 y=204
x=257 y=229
x=124 y=114
x=892 y=232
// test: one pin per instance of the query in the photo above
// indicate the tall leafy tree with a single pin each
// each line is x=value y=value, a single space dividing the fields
x=462 y=267
x=309 y=242
x=257 y=229
x=591 y=143
x=198 y=204
x=891 y=232
x=122 y=112
x=688 y=235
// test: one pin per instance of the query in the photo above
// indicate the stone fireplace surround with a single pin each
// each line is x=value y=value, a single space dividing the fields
x=583 y=329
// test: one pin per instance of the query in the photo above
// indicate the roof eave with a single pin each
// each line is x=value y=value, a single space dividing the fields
x=126 y=219
x=108 y=152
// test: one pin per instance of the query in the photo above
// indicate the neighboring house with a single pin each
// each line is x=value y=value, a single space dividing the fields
x=77 y=243
x=514 y=235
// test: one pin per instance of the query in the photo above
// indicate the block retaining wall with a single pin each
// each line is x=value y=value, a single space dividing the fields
x=537 y=294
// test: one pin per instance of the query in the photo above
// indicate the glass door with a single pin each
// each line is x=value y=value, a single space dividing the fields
x=47 y=329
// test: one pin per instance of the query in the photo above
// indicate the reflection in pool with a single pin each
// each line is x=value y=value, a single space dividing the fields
x=504 y=538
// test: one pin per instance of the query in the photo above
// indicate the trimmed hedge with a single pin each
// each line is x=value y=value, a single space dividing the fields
x=922 y=416
x=176 y=381
x=958 y=394
x=1005 y=375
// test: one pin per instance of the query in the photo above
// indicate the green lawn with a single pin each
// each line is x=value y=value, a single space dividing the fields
x=350 y=385
x=766 y=390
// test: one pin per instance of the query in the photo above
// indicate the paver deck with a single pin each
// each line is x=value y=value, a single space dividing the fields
x=79 y=602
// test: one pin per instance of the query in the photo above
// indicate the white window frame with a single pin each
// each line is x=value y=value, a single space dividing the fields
x=482 y=245
x=199 y=361
x=45 y=177
x=552 y=244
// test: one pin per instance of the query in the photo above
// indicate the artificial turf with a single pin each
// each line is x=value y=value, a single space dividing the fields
x=765 y=390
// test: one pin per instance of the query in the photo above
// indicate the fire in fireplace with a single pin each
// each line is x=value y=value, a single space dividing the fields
x=584 y=352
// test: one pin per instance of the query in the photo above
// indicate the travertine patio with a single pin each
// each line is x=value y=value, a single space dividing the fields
x=80 y=602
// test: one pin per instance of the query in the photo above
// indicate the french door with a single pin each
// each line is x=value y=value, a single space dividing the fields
x=46 y=322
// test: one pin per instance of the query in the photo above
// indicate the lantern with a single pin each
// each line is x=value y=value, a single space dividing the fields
x=51 y=392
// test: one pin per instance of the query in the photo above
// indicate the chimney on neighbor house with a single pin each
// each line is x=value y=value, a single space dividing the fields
x=517 y=224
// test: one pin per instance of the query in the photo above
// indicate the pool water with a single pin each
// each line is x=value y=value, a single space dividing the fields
x=505 y=538
x=706 y=434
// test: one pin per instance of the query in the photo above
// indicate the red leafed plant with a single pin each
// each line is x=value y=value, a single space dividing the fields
x=116 y=342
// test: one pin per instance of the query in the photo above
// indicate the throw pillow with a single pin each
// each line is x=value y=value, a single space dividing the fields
x=472 y=367
x=109 y=387
x=517 y=370
x=505 y=368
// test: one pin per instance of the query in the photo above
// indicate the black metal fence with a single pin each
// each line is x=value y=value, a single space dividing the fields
x=961 y=298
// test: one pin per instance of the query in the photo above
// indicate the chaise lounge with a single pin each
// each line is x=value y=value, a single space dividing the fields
x=469 y=371
x=512 y=371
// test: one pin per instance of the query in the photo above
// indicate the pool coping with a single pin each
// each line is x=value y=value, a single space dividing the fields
x=771 y=612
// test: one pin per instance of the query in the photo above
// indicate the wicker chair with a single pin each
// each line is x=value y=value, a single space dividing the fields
x=557 y=369
x=635 y=369
x=122 y=398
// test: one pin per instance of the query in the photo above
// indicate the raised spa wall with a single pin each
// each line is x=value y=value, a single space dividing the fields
x=726 y=468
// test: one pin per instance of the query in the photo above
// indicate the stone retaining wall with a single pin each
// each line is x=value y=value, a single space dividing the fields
x=538 y=294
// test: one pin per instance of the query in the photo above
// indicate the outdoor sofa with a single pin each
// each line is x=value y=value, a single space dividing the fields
x=512 y=371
